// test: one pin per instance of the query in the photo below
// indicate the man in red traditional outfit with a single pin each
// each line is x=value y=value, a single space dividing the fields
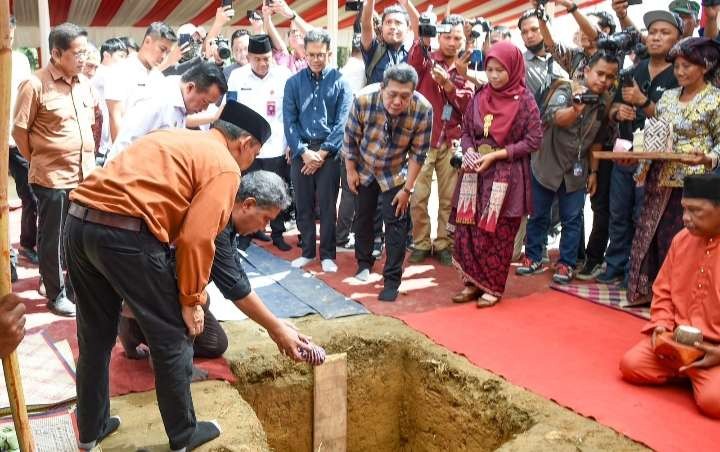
x=687 y=292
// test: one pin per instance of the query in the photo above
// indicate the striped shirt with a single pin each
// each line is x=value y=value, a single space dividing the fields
x=379 y=144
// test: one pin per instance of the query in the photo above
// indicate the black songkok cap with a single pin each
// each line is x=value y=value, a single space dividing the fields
x=259 y=45
x=247 y=119
x=705 y=186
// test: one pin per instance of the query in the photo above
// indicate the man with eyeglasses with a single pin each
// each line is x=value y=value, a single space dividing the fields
x=387 y=137
x=54 y=113
x=315 y=108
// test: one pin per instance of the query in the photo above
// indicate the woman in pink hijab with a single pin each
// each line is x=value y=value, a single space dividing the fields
x=501 y=127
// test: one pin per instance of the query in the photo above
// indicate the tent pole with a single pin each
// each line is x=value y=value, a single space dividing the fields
x=44 y=26
x=11 y=365
x=332 y=18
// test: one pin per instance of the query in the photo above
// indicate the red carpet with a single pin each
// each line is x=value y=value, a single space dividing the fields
x=568 y=350
x=425 y=286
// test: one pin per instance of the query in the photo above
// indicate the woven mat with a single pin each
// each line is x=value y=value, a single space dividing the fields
x=47 y=380
x=603 y=294
x=52 y=432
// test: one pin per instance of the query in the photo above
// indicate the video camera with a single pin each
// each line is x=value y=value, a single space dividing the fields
x=479 y=26
x=586 y=98
x=428 y=27
x=223 y=47
x=623 y=42
x=354 y=5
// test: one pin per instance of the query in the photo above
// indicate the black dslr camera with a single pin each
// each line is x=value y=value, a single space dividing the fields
x=427 y=27
x=479 y=26
x=354 y=5
x=624 y=42
x=223 y=47
x=586 y=98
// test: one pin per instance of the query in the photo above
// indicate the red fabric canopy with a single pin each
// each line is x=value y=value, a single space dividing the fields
x=122 y=13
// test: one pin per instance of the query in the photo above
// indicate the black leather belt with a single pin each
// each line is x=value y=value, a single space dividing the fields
x=113 y=220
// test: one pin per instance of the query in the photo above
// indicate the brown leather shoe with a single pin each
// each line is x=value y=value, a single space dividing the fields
x=465 y=296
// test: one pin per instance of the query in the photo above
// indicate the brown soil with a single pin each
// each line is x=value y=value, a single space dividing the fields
x=404 y=394
x=142 y=427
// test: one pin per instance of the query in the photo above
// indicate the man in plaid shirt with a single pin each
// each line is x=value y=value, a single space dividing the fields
x=387 y=137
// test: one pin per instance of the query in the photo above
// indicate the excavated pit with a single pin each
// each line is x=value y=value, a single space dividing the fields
x=404 y=394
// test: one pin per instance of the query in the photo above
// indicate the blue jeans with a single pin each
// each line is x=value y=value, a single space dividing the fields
x=625 y=204
x=571 y=207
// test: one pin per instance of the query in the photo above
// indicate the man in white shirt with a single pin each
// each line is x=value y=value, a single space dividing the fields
x=112 y=52
x=137 y=76
x=170 y=104
x=260 y=85
x=17 y=163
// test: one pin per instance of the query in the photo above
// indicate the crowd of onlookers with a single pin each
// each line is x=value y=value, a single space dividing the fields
x=504 y=136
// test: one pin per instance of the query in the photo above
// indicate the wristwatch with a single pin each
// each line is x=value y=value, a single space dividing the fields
x=572 y=8
x=646 y=104
x=406 y=190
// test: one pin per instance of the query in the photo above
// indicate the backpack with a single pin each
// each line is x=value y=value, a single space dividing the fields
x=377 y=56
x=542 y=97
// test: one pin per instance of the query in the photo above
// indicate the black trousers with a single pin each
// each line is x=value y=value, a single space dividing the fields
x=108 y=265
x=600 y=204
x=52 y=210
x=346 y=210
x=323 y=187
x=396 y=230
x=279 y=166
x=19 y=169
x=211 y=343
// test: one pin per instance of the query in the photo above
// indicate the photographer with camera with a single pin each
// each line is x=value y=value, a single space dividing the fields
x=575 y=119
x=641 y=88
x=574 y=59
x=294 y=60
x=387 y=49
x=449 y=93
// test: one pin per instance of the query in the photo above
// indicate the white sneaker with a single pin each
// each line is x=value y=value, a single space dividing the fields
x=300 y=262
x=329 y=266
x=363 y=275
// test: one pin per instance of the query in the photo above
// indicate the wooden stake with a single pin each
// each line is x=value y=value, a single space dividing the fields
x=330 y=405
x=11 y=366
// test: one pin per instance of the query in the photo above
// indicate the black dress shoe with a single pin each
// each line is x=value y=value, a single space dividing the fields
x=390 y=292
x=281 y=244
x=260 y=235
x=30 y=254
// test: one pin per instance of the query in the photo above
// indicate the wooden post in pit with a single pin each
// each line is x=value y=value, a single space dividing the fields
x=330 y=405
x=11 y=365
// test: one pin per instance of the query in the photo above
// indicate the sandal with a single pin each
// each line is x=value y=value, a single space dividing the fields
x=487 y=300
x=467 y=295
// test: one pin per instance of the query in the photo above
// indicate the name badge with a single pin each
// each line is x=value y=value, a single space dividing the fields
x=446 y=112
x=271 y=109
x=577 y=169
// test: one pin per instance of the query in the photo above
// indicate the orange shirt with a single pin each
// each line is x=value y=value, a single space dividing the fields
x=687 y=289
x=183 y=184
x=58 y=114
